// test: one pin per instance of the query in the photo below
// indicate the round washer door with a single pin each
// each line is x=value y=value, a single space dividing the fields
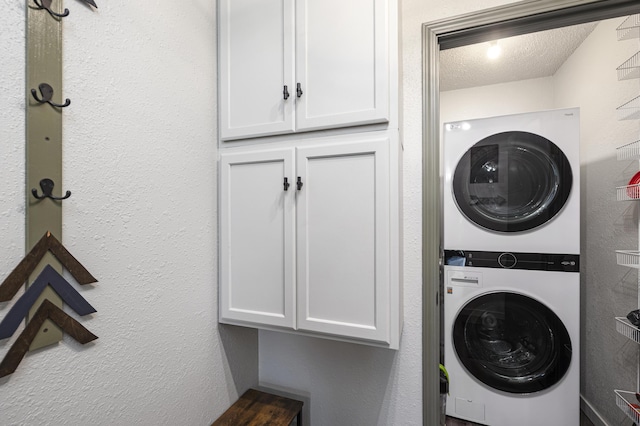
x=512 y=342
x=512 y=181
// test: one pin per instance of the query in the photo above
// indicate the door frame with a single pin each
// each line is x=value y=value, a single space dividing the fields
x=499 y=22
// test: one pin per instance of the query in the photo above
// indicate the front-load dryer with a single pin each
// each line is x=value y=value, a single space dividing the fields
x=512 y=339
x=512 y=183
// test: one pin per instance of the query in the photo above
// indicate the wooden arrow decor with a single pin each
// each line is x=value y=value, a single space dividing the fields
x=91 y=2
x=47 y=310
x=20 y=274
x=48 y=276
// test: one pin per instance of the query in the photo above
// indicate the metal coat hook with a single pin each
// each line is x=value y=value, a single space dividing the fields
x=46 y=5
x=47 y=93
x=47 y=191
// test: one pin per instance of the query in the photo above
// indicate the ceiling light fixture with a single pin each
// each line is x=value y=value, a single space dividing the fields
x=494 y=50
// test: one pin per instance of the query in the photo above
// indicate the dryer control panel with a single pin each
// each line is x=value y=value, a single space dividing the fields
x=508 y=260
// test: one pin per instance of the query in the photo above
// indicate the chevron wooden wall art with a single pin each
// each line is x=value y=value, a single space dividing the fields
x=47 y=310
x=48 y=277
x=20 y=274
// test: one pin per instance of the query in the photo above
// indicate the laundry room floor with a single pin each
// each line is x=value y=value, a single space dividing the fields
x=584 y=421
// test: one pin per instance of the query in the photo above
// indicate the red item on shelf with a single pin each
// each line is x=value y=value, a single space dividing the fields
x=633 y=190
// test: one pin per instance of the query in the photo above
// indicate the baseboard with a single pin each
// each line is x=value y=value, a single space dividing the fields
x=591 y=413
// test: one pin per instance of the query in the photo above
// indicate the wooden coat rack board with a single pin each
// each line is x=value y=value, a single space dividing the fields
x=42 y=267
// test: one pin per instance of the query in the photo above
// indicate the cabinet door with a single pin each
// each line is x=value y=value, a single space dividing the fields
x=342 y=62
x=257 y=238
x=343 y=239
x=256 y=62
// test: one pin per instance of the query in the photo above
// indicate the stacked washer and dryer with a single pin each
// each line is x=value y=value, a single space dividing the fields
x=511 y=275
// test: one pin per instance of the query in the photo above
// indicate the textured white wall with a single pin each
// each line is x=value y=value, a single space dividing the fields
x=358 y=385
x=497 y=99
x=140 y=159
x=12 y=134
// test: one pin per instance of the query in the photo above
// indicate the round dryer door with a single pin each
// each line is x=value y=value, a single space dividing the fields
x=512 y=342
x=512 y=181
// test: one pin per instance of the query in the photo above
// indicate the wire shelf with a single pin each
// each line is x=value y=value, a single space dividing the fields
x=630 y=110
x=630 y=69
x=630 y=28
x=630 y=151
x=631 y=409
x=630 y=331
x=628 y=192
x=629 y=258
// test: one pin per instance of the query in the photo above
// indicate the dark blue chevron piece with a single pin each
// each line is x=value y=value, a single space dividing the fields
x=48 y=276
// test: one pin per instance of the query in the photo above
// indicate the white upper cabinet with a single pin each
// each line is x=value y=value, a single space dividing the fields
x=340 y=52
x=256 y=62
x=342 y=63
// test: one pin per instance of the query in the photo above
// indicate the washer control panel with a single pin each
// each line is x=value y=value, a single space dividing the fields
x=509 y=260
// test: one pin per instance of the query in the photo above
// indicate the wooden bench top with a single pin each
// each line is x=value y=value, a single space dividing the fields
x=256 y=408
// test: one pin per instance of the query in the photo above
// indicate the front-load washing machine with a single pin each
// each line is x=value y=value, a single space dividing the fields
x=512 y=338
x=513 y=176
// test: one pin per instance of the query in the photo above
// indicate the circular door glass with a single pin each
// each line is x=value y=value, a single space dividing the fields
x=512 y=181
x=512 y=342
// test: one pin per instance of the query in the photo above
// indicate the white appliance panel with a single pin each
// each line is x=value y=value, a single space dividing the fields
x=472 y=400
x=561 y=234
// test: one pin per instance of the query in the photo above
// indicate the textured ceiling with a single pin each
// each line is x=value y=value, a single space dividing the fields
x=523 y=57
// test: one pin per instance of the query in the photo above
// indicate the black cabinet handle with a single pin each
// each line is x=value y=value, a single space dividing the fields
x=285 y=92
x=286 y=184
x=299 y=183
x=299 y=91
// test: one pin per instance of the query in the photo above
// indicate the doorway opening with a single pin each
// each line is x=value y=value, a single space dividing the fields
x=497 y=23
